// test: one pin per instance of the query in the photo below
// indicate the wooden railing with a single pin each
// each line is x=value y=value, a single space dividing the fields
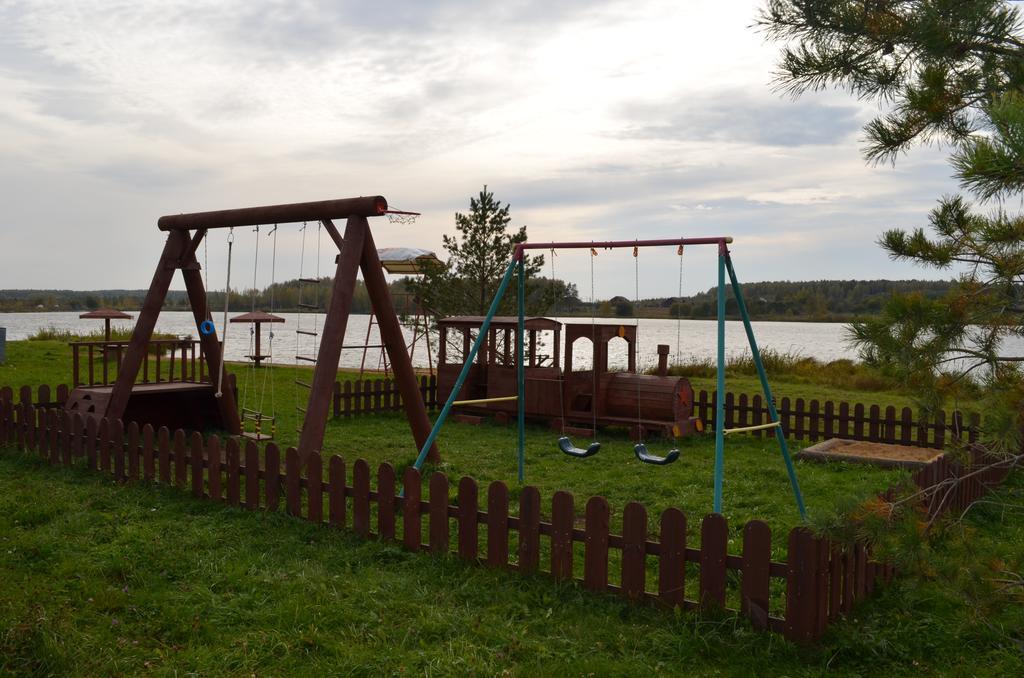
x=815 y=420
x=97 y=363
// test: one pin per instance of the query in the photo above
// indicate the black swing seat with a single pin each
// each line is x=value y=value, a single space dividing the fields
x=565 y=445
x=646 y=457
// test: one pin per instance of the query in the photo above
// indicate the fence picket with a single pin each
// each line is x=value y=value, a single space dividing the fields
x=801 y=562
x=835 y=581
x=497 y=524
x=233 y=464
x=844 y=420
x=213 y=483
x=874 y=424
x=44 y=430
x=714 y=538
x=849 y=572
x=595 y=550
x=54 y=436
x=133 y=435
x=785 y=415
x=858 y=422
x=438 y=518
x=272 y=476
x=829 y=420
x=314 y=488
x=814 y=420
x=468 y=528
x=148 y=453
x=292 y=482
x=799 y=432
x=105 y=441
x=196 y=463
x=672 y=561
x=117 y=449
x=252 y=475
x=940 y=429
x=906 y=426
x=529 y=529
x=180 y=462
x=103 y=446
x=361 y=497
x=91 y=441
x=386 y=498
x=65 y=438
x=742 y=409
x=562 y=519
x=634 y=556
x=757 y=415
x=412 y=524
x=336 y=496
x=163 y=444
x=754 y=588
x=888 y=433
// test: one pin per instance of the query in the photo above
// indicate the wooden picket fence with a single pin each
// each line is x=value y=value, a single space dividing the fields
x=820 y=580
x=369 y=396
x=815 y=420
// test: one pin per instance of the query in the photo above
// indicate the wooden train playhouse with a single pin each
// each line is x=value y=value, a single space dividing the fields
x=574 y=399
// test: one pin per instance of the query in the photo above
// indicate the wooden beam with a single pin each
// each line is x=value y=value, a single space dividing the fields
x=394 y=342
x=311 y=439
x=211 y=346
x=332 y=231
x=176 y=245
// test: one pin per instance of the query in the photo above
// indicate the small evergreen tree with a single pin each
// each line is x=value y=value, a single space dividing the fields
x=950 y=72
x=478 y=255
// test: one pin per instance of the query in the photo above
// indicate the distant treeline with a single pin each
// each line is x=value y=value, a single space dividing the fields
x=283 y=297
x=820 y=300
x=817 y=300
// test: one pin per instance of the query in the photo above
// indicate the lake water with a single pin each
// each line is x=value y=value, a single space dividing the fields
x=825 y=341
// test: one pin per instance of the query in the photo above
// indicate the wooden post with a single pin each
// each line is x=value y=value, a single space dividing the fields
x=394 y=342
x=324 y=375
x=177 y=242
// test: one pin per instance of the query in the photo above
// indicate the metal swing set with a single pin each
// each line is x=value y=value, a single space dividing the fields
x=516 y=268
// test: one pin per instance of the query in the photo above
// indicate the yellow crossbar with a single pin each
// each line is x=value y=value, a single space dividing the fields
x=481 y=401
x=757 y=427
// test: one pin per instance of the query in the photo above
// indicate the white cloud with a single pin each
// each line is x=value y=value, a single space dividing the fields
x=595 y=120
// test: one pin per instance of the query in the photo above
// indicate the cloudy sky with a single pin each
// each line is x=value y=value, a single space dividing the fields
x=592 y=119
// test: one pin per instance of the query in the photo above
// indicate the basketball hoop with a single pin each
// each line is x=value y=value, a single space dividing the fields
x=401 y=216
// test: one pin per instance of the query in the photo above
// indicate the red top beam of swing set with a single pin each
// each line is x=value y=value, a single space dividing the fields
x=721 y=241
x=368 y=206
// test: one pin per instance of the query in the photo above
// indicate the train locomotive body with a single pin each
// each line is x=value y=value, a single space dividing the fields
x=556 y=391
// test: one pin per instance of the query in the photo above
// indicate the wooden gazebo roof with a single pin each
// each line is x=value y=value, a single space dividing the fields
x=106 y=314
x=257 y=317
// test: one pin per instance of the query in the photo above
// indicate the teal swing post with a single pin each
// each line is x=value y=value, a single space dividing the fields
x=521 y=369
x=453 y=396
x=772 y=412
x=720 y=390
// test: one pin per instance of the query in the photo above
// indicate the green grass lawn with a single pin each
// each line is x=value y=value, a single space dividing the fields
x=99 y=578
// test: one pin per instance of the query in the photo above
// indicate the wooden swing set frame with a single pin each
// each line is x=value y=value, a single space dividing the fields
x=356 y=252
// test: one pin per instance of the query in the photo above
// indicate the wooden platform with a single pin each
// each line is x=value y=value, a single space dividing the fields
x=877 y=454
x=174 y=404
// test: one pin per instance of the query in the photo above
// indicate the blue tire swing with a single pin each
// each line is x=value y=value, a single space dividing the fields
x=206 y=328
